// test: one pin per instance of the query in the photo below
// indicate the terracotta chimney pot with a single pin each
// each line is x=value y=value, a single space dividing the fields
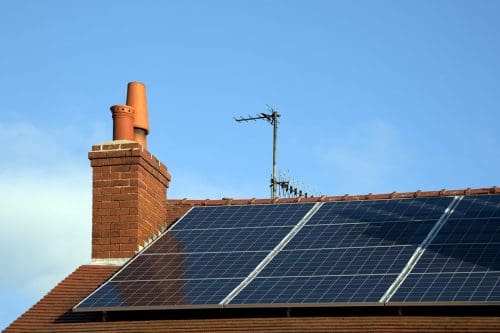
x=136 y=97
x=123 y=122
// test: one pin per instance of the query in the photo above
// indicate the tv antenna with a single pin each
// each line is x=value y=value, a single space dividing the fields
x=272 y=118
x=290 y=188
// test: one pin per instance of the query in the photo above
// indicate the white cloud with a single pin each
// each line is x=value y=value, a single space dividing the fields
x=45 y=215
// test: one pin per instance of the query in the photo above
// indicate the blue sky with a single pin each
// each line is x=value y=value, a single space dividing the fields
x=375 y=96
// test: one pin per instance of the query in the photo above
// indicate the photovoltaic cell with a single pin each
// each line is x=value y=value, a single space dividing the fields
x=462 y=263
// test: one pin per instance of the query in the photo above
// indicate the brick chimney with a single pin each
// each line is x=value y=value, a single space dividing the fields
x=129 y=187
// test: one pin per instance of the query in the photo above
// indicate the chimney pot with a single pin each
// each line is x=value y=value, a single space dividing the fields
x=123 y=122
x=136 y=97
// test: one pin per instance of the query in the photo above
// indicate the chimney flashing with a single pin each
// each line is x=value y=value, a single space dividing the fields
x=108 y=261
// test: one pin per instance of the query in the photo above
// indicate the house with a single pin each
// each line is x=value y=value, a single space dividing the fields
x=130 y=209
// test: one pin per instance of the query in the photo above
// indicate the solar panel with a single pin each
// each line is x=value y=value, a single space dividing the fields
x=395 y=210
x=191 y=266
x=462 y=263
x=304 y=290
x=200 y=260
x=368 y=260
x=361 y=234
x=157 y=294
x=219 y=240
x=243 y=216
x=347 y=252
x=449 y=287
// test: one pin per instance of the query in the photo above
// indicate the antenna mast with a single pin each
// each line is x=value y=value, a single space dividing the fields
x=272 y=118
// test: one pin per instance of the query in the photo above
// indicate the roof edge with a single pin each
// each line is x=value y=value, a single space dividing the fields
x=345 y=197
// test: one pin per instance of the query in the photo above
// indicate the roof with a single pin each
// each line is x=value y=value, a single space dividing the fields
x=53 y=314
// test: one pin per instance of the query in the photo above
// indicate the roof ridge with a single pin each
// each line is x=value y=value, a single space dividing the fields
x=345 y=197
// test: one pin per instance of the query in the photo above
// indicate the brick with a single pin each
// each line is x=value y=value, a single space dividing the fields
x=110 y=190
x=125 y=197
x=101 y=211
x=127 y=232
x=101 y=241
x=119 y=226
x=110 y=218
x=129 y=218
x=121 y=240
x=120 y=168
x=101 y=183
x=128 y=204
x=106 y=247
x=128 y=247
x=110 y=204
x=118 y=153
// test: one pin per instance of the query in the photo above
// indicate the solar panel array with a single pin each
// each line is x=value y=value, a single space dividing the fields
x=300 y=254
